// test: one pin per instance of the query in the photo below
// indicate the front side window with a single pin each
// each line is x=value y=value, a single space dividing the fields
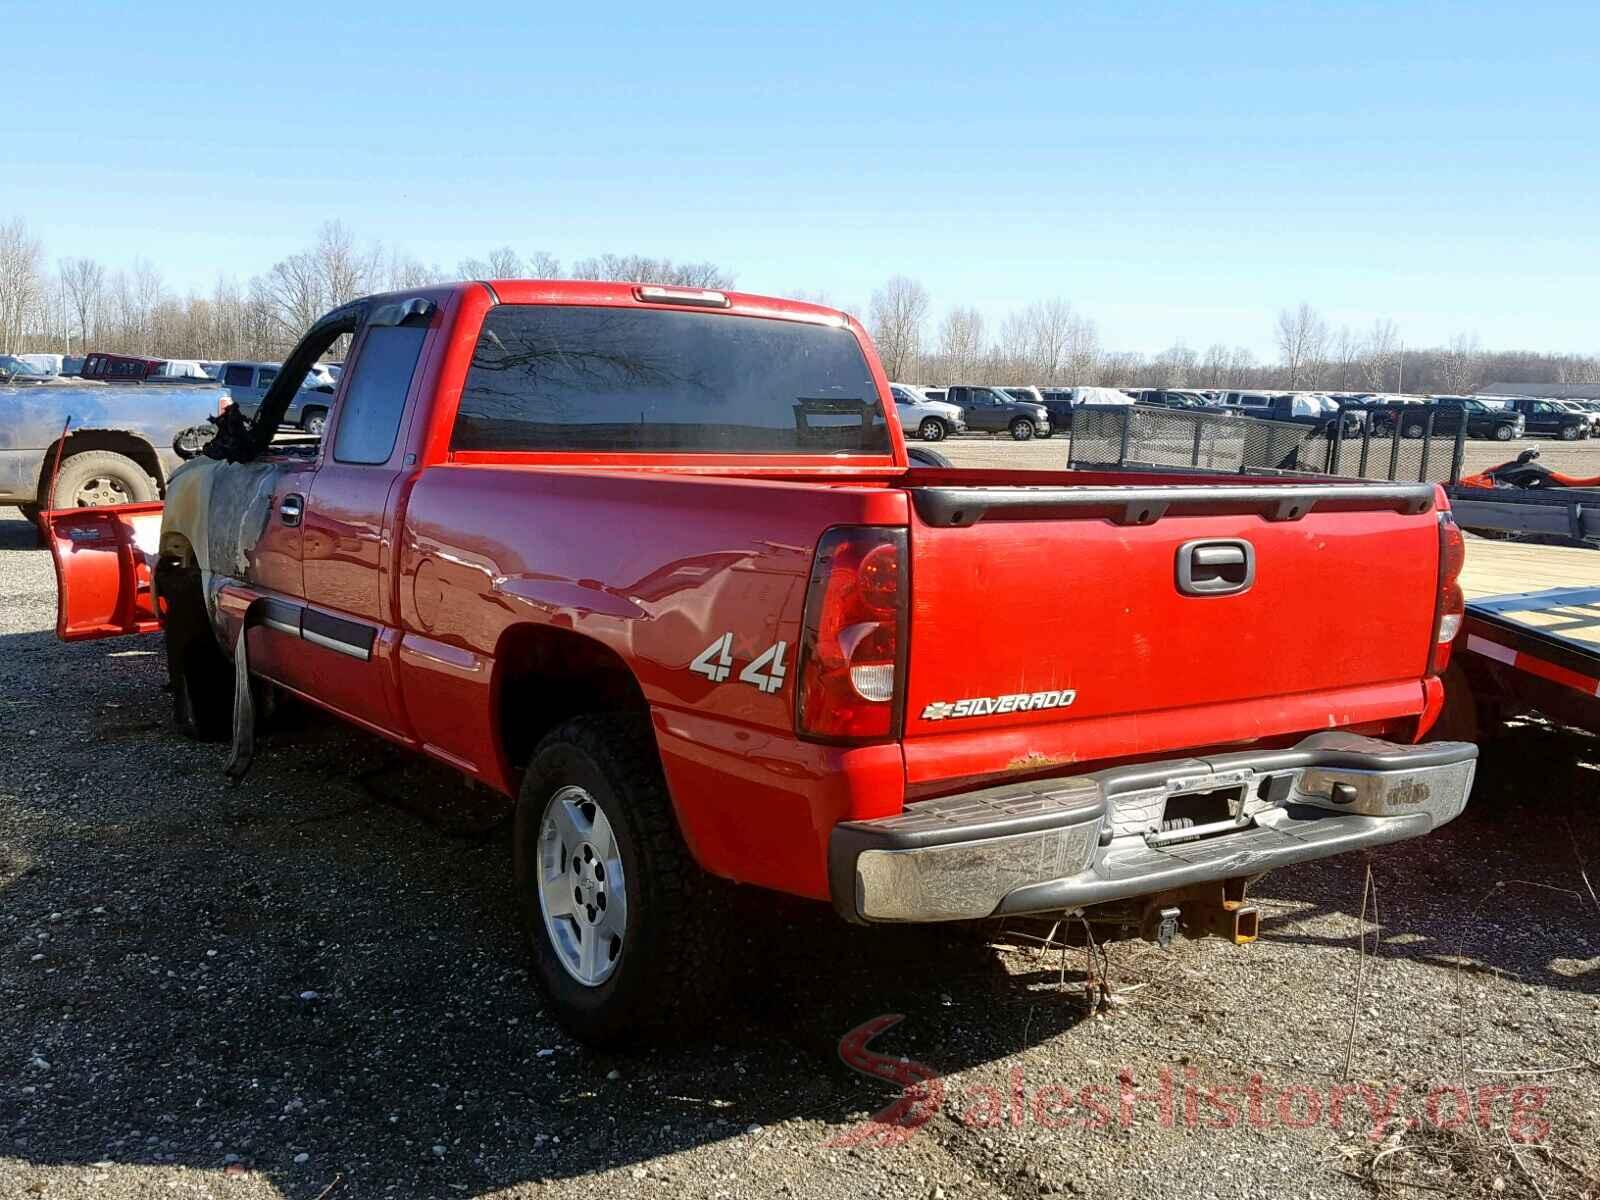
x=375 y=400
x=236 y=376
x=603 y=379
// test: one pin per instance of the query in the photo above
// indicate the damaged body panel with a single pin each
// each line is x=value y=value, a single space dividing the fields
x=140 y=421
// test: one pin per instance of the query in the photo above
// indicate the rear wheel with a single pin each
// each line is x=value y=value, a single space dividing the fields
x=625 y=929
x=99 y=477
x=1569 y=433
x=931 y=430
x=314 y=421
x=1022 y=429
x=1502 y=433
x=1414 y=431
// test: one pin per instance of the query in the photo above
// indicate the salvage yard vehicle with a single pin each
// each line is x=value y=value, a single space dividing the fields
x=1483 y=420
x=923 y=417
x=1551 y=418
x=119 y=449
x=991 y=410
x=1060 y=402
x=248 y=383
x=652 y=561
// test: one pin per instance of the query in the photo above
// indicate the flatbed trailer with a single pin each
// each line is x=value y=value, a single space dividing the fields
x=1570 y=514
x=1532 y=648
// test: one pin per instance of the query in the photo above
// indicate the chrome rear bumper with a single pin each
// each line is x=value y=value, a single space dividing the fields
x=1065 y=843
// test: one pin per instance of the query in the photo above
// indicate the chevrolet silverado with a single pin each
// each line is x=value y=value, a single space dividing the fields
x=654 y=563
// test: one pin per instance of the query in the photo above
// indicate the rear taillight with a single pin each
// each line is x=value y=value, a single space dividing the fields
x=852 y=646
x=1452 y=601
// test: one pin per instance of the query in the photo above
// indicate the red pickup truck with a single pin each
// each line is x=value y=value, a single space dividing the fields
x=654 y=562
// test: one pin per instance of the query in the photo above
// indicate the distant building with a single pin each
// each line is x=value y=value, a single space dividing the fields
x=1546 y=391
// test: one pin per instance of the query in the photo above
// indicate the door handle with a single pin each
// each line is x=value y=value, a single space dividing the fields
x=290 y=509
x=1216 y=567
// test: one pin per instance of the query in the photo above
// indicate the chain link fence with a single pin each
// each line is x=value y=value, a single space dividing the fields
x=1380 y=443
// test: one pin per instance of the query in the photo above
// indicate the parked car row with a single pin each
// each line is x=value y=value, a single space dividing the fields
x=1028 y=412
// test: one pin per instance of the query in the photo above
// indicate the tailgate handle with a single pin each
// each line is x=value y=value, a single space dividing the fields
x=1213 y=567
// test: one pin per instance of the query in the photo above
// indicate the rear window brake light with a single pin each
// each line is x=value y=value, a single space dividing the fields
x=698 y=297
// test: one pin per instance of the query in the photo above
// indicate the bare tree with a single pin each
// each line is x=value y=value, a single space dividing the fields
x=405 y=272
x=1459 y=368
x=1346 y=354
x=961 y=342
x=1302 y=340
x=1051 y=325
x=342 y=272
x=1380 y=354
x=20 y=256
x=1083 y=350
x=636 y=268
x=1174 y=366
x=1214 y=366
x=84 y=281
x=293 y=290
x=897 y=312
x=543 y=265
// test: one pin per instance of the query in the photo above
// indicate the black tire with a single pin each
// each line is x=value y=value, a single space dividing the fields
x=99 y=477
x=931 y=430
x=1502 y=433
x=1569 y=433
x=669 y=968
x=314 y=420
x=921 y=456
x=1022 y=430
x=200 y=674
x=1415 y=431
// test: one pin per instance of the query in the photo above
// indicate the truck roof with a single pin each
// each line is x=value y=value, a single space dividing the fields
x=588 y=291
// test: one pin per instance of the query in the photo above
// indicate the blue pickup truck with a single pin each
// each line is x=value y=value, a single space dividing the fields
x=115 y=443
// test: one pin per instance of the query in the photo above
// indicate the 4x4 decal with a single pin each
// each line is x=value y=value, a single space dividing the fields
x=766 y=671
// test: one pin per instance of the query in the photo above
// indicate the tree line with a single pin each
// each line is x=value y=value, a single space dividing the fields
x=1049 y=342
x=82 y=305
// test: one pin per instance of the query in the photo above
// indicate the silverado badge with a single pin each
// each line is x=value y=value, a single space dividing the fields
x=983 y=706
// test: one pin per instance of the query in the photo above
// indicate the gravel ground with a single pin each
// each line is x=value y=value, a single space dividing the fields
x=311 y=986
x=1049 y=454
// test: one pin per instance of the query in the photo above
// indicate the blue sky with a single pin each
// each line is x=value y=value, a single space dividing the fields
x=1176 y=171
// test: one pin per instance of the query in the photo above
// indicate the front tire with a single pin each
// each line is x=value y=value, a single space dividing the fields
x=201 y=675
x=624 y=927
x=1569 y=434
x=931 y=430
x=1502 y=433
x=314 y=421
x=1022 y=430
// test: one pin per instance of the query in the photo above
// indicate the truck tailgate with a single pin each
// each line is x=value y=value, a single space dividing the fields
x=1099 y=622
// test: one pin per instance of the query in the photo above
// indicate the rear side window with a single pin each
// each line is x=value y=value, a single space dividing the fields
x=369 y=416
x=236 y=377
x=549 y=378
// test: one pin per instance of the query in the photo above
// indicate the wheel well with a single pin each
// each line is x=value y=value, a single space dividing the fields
x=546 y=675
x=118 y=441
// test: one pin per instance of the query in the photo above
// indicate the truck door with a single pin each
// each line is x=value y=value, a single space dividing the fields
x=349 y=626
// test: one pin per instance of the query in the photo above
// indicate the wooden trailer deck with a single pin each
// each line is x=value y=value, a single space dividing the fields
x=1533 y=621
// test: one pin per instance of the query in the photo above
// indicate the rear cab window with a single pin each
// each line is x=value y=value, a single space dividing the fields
x=607 y=379
x=375 y=399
